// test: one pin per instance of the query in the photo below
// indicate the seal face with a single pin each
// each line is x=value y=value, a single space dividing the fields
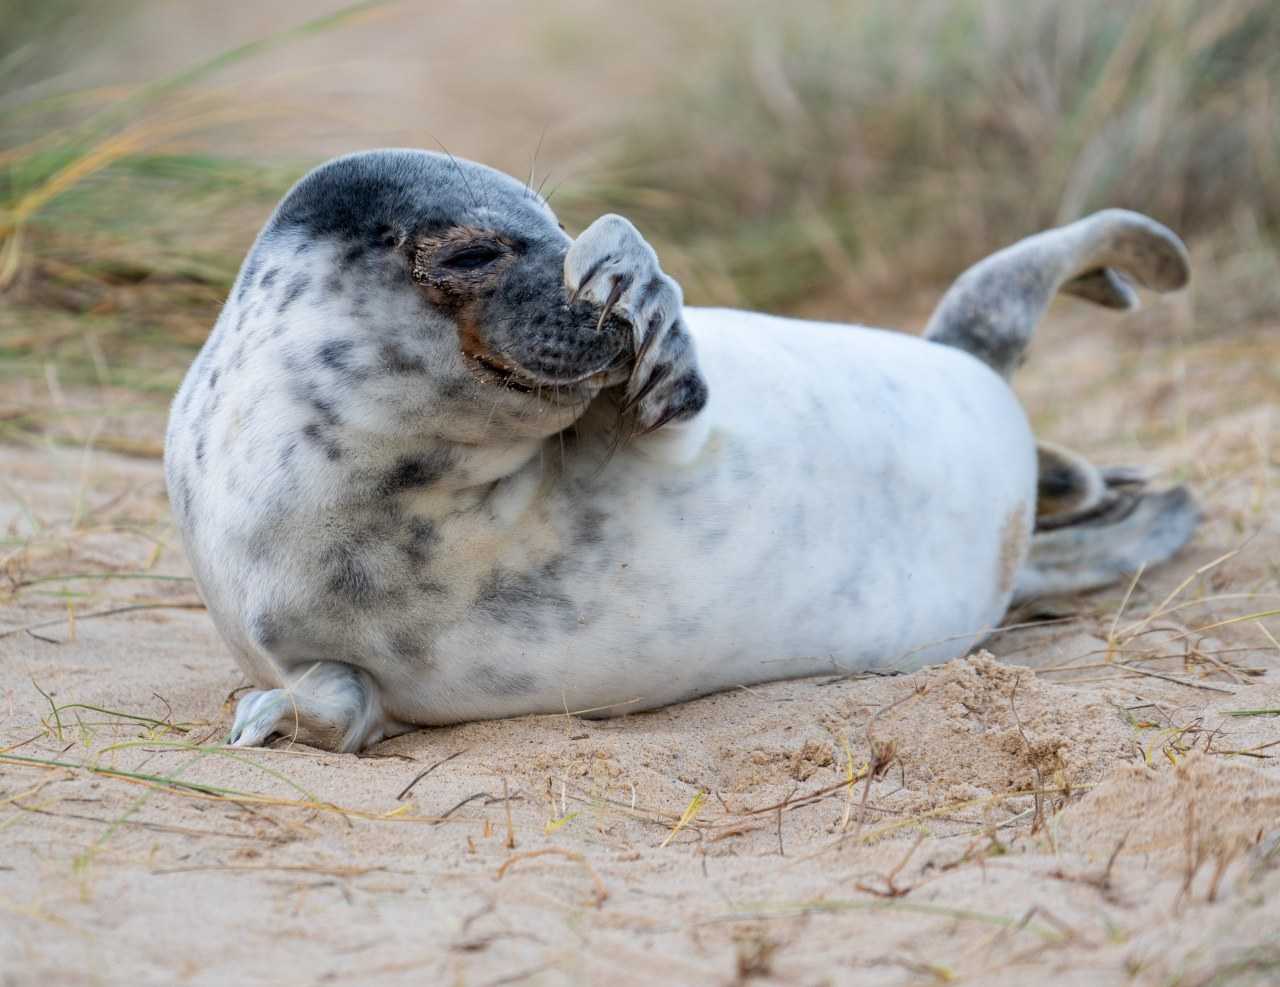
x=440 y=461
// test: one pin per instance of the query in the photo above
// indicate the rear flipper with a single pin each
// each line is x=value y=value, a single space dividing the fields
x=1093 y=527
x=993 y=308
x=1117 y=530
x=1070 y=489
x=327 y=704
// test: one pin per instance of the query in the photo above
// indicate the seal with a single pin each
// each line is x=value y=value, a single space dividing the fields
x=440 y=461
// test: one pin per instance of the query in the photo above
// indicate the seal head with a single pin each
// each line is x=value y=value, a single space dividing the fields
x=456 y=273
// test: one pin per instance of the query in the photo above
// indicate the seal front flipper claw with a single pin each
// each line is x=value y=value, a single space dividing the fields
x=611 y=265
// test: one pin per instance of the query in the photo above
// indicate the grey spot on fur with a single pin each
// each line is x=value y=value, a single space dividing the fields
x=294 y=291
x=336 y=353
x=409 y=645
x=349 y=575
x=589 y=525
x=317 y=435
x=410 y=472
x=495 y=682
x=396 y=360
x=183 y=501
x=247 y=275
x=265 y=630
x=420 y=542
x=525 y=598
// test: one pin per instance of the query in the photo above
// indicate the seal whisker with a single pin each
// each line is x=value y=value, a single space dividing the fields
x=458 y=168
x=533 y=163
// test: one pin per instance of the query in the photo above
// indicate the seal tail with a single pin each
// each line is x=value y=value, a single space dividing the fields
x=993 y=308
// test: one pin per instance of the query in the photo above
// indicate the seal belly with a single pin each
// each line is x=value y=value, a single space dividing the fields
x=891 y=484
x=849 y=499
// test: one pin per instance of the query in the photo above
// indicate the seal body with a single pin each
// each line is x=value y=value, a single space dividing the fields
x=438 y=461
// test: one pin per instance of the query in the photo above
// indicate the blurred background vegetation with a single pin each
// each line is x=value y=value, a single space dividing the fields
x=833 y=159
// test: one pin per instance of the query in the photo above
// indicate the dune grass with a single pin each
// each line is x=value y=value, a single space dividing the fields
x=879 y=145
x=117 y=244
x=839 y=152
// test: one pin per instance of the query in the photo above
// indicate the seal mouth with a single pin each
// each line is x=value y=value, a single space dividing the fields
x=493 y=370
x=496 y=372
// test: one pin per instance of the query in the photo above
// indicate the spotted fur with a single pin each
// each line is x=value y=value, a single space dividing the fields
x=440 y=461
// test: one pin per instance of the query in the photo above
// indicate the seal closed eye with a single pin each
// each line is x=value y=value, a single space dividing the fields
x=440 y=461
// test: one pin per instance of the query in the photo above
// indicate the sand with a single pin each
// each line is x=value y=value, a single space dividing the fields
x=1041 y=816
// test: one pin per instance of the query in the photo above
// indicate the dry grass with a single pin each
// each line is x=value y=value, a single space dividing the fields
x=873 y=147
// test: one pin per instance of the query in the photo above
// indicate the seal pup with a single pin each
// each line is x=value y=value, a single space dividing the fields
x=440 y=461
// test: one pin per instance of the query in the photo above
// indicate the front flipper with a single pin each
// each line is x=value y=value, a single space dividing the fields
x=327 y=704
x=612 y=266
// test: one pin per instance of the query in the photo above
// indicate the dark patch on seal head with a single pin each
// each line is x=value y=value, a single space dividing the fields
x=294 y=291
x=269 y=278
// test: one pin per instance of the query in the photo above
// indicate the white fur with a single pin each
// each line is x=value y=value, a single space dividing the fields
x=848 y=498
